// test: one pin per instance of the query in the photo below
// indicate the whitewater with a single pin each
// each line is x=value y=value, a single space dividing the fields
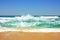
x=29 y=23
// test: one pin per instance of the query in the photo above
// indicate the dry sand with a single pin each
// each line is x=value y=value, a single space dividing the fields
x=29 y=36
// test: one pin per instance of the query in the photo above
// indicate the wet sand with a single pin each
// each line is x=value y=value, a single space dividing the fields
x=29 y=36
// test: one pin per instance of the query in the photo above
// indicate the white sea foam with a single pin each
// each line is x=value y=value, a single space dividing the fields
x=32 y=30
x=26 y=17
x=22 y=22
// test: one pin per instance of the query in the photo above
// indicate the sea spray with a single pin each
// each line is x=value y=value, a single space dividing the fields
x=29 y=21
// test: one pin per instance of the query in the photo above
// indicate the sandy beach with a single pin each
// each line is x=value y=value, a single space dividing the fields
x=29 y=36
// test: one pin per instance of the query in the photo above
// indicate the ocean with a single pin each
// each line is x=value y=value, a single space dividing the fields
x=29 y=21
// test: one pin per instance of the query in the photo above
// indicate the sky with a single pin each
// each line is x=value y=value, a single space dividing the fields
x=33 y=7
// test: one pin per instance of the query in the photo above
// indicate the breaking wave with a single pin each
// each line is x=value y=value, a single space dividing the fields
x=29 y=21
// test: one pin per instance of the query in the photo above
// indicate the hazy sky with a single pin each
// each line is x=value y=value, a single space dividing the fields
x=34 y=7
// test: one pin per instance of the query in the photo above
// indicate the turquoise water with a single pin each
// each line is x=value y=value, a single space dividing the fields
x=30 y=22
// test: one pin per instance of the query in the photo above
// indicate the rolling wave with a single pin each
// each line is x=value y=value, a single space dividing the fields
x=29 y=21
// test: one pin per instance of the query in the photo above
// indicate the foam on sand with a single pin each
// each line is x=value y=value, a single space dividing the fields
x=31 y=30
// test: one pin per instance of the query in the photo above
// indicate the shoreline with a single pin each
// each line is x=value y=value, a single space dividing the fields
x=30 y=30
